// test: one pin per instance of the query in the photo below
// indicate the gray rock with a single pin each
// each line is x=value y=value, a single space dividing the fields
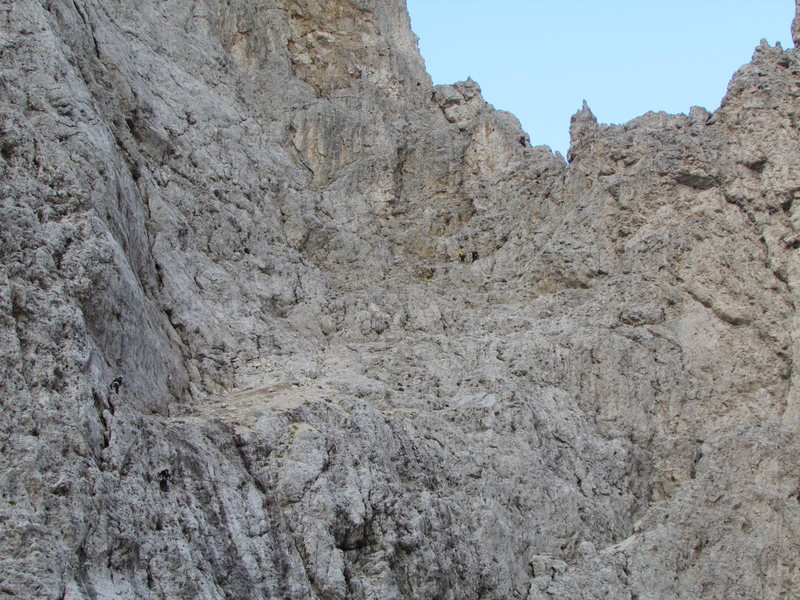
x=796 y=25
x=253 y=212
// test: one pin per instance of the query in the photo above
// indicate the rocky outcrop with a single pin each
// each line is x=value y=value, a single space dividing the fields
x=253 y=213
x=796 y=25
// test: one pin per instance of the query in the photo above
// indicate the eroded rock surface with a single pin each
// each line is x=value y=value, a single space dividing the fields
x=253 y=211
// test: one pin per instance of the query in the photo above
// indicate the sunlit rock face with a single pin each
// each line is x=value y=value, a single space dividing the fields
x=253 y=213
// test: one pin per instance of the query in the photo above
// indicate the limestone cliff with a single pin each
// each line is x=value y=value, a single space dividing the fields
x=252 y=211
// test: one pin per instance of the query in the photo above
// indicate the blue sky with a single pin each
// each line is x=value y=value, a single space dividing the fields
x=539 y=59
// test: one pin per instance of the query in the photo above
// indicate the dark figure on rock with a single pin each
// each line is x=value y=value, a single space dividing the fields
x=116 y=383
x=164 y=477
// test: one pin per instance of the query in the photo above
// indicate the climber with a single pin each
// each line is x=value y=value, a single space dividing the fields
x=163 y=479
x=462 y=256
x=474 y=255
x=114 y=386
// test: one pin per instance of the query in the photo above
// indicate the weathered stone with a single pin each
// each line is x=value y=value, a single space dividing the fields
x=796 y=25
x=253 y=211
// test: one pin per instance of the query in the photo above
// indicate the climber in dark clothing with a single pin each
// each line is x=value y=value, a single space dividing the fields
x=163 y=479
x=114 y=386
x=474 y=256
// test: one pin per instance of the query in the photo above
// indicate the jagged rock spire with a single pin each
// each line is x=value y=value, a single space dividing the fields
x=582 y=124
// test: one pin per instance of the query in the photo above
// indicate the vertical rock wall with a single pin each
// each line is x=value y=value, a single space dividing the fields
x=253 y=211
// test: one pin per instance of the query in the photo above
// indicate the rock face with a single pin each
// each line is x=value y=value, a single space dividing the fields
x=252 y=211
x=796 y=26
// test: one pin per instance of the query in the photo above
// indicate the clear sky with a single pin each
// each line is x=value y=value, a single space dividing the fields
x=539 y=59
